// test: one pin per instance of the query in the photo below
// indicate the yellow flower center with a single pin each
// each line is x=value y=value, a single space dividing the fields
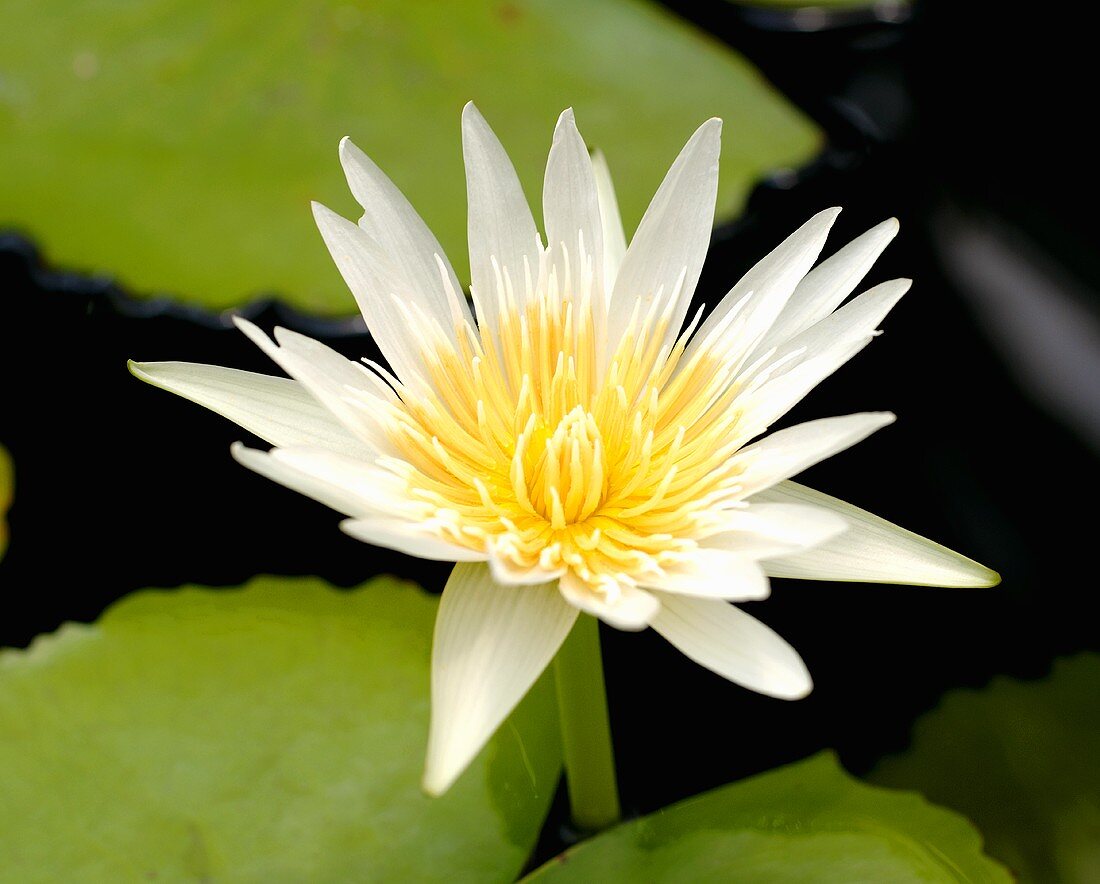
x=530 y=442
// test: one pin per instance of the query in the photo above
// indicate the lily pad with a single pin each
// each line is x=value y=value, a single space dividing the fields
x=1020 y=759
x=808 y=821
x=270 y=733
x=176 y=143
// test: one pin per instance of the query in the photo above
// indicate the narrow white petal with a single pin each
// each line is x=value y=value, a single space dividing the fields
x=790 y=451
x=729 y=642
x=666 y=255
x=500 y=225
x=714 y=573
x=491 y=644
x=872 y=550
x=624 y=607
x=353 y=487
x=278 y=410
x=570 y=205
x=379 y=291
x=415 y=254
x=764 y=404
x=767 y=530
x=614 y=237
x=411 y=538
x=761 y=294
x=355 y=395
x=829 y=283
x=841 y=333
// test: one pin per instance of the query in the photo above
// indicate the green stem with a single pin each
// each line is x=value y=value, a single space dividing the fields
x=585 y=729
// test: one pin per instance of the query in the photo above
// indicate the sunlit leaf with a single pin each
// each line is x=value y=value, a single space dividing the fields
x=177 y=144
x=808 y=821
x=1020 y=759
x=271 y=733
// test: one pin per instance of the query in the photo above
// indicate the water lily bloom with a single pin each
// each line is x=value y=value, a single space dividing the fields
x=585 y=444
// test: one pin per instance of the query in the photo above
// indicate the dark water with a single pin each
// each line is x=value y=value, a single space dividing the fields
x=940 y=120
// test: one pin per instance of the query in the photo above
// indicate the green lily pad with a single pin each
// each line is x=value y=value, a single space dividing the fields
x=7 y=482
x=808 y=821
x=176 y=143
x=271 y=733
x=1020 y=759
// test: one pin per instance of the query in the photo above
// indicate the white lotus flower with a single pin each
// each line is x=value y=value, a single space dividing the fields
x=577 y=448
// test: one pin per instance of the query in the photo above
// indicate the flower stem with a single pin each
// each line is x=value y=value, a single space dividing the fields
x=585 y=729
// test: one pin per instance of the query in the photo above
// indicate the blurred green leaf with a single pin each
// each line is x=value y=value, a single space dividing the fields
x=271 y=733
x=808 y=821
x=7 y=487
x=177 y=144
x=1021 y=760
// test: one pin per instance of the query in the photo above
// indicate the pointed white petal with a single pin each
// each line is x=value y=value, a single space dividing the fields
x=614 y=237
x=872 y=550
x=714 y=573
x=790 y=451
x=491 y=644
x=761 y=294
x=624 y=607
x=767 y=530
x=278 y=410
x=379 y=292
x=415 y=254
x=729 y=642
x=411 y=538
x=829 y=283
x=570 y=206
x=765 y=403
x=357 y=397
x=353 y=487
x=808 y=358
x=500 y=225
x=666 y=255
x=844 y=332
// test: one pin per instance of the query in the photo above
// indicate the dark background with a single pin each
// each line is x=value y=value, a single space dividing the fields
x=960 y=119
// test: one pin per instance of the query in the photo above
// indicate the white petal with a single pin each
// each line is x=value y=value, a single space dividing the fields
x=415 y=254
x=872 y=550
x=729 y=642
x=353 y=487
x=790 y=451
x=356 y=396
x=570 y=206
x=624 y=607
x=762 y=405
x=761 y=294
x=841 y=333
x=379 y=292
x=767 y=530
x=491 y=644
x=278 y=410
x=714 y=573
x=614 y=237
x=500 y=225
x=411 y=538
x=666 y=255
x=829 y=283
